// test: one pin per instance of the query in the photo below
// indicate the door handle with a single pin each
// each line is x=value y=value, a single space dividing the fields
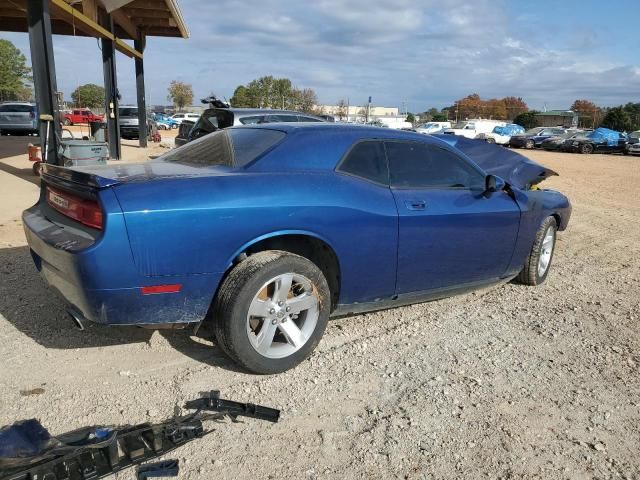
x=415 y=204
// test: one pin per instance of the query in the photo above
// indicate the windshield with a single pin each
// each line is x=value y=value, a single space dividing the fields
x=128 y=112
x=231 y=148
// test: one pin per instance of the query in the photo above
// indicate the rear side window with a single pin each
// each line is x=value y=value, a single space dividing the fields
x=248 y=144
x=367 y=160
x=252 y=120
x=17 y=108
x=308 y=119
x=282 y=118
x=418 y=165
x=226 y=148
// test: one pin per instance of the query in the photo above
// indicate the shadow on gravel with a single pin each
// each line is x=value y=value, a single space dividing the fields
x=40 y=313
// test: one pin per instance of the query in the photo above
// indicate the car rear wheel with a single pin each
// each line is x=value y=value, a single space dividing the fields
x=529 y=144
x=67 y=122
x=538 y=262
x=271 y=311
x=586 y=149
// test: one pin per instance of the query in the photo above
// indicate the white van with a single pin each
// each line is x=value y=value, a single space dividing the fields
x=473 y=128
x=432 y=127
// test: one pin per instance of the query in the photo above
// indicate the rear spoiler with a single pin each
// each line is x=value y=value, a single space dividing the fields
x=76 y=176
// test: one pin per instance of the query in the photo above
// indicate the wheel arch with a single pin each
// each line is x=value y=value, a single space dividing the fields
x=307 y=244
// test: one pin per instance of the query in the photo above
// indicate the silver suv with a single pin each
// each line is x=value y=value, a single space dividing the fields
x=18 y=117
x=213 y=119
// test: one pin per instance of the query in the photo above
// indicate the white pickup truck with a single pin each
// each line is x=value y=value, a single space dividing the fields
x=473 y=128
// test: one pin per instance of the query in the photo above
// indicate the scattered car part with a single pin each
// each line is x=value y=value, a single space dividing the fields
x=165 y=468
x=29 y=452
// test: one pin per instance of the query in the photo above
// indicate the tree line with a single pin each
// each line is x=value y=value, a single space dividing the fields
x=623 y=118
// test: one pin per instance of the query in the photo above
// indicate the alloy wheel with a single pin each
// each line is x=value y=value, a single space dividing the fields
x=283 y=315
x=546 y=250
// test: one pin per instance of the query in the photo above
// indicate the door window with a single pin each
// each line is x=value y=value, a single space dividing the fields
x=367 y=160
x=419 y=165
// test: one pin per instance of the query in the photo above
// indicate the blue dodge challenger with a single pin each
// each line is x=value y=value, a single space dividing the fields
x=268 y=230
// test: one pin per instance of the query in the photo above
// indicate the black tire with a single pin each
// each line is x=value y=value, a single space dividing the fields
x=529 y=144
x=529 y=275
x=236 y=294
x=67 y=122
x=586 y=149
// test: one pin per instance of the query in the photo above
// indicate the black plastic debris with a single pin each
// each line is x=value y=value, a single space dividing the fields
x=29 y=452
x=165 y=468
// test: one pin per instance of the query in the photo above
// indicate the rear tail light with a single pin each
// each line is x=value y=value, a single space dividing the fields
x=82 y=210
x=32 y=114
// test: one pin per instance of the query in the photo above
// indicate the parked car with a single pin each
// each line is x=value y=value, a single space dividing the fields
x=473 y=128
x=183 y=132
x=214 y=119
x=432 y=127
x=179 y=117
x=164 y=122
x=128 y=119
x=80 y=116
x=555 y=143
x=502 y=135
x=601 y=140
x=18 y=117
x=534 y=137
x=633 y=143
x=271 y=229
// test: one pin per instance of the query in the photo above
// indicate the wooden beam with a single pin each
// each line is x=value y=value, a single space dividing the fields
x=125 y=23
x=90 y=9
x=133 y=13
x=80 y=21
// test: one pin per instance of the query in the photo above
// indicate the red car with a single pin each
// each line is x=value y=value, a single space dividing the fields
x=80 y=115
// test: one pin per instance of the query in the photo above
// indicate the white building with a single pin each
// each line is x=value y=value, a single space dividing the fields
x=358 y=113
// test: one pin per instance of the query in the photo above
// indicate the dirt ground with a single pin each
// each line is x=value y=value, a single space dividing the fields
x=515 y=382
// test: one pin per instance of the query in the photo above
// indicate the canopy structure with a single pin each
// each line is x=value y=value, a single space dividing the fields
x=115 y=22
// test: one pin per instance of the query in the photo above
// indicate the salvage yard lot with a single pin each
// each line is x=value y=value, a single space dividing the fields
x=513 y=382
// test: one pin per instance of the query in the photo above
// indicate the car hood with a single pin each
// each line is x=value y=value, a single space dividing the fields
x=515 y=169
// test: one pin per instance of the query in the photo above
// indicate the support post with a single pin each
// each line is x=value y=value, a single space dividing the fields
x=111 y=90
x=139 y=44
x=44 y=74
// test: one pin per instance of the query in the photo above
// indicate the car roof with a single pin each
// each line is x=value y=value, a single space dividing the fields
x=17 y=103
x=357 y=130
x=259 y=111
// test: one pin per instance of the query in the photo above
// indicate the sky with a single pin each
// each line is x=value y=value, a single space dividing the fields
x=411 y=54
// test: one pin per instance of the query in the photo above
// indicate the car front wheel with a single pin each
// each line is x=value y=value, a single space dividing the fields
x=271 y=311
x=586 y=149
x=538 y=262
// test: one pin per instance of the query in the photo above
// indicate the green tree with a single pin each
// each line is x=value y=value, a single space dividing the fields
x=240 y=98
x=15 y=76
x=527 y=120
x=271 y=92
x=89 y=95
x=411 y=118
x=617 y=118
x=440 y=117
x=180 y=93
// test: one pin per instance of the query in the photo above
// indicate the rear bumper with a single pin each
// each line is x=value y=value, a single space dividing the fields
x=83 y=274
x=129 y=130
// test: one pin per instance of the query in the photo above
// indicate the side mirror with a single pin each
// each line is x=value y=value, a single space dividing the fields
x=493 y=184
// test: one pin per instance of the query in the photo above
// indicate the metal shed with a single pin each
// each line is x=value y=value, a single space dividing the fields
x=113 y=22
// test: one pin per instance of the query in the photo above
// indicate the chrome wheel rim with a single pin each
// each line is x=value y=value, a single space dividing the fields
x=546 y=250
x=283 y=315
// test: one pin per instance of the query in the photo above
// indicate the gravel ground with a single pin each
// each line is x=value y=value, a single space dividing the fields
x=514 y=382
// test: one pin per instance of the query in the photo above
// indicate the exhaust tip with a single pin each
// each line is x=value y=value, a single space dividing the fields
x=77 y=318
